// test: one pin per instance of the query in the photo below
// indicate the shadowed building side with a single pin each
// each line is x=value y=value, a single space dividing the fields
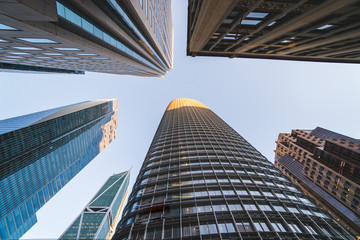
x=56 y=36
x=305 y=30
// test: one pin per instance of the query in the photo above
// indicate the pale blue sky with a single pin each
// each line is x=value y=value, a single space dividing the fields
x=258 y=98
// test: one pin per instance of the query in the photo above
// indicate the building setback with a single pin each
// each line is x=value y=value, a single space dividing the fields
x=202 y=180
x=41 y=152
x=129 y=37
x=325 y=165
x=100 y=216
x=305 y=30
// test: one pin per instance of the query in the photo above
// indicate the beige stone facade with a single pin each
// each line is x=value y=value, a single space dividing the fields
x=328 y=160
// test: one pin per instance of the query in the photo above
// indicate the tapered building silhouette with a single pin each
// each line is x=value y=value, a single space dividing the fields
x=202 y=180
x=109 y=36
x=41 y=152
x=305 y=30
x=100 y=216
x=325 y=165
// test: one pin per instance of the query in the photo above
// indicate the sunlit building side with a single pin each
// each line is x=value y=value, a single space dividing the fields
x=202 y=180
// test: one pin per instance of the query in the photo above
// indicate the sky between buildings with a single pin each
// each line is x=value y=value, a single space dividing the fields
x=258 y=98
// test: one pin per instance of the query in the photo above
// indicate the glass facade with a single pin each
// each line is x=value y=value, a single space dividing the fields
x=100 y=216
x=97 y=32
x=42 y=152
x=102 y=36
x=202 y=180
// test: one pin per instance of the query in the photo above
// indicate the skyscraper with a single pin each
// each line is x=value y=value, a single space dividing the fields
x=100 y=216
x=326 y=166
x=123 y=37
x=202 y=180
x=43 y=151
x=306 y=30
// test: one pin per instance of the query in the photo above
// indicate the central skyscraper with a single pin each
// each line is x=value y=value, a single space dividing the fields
x=202 y=180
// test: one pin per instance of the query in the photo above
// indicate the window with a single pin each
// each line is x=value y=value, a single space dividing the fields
x=141 y=3
x=343 y=196
x=257 y=15
x=250 y=207
x=280 y=195
x=306 y=211
x=326 y=231
x=267 y=193
x=261 y=226
x=37 y=40
x=334 y=190
x=68 y=49
x=328 y=174
x=294 y=227
x=326 y=183
x=6 y=27
x=250 y=22
x=324 y=27
x=208 y=229
x=189 y=231
x=347 y=185
x=337 y=179
x=146 y=8
x=28 y=48
x=235 y=207
x=310 y=229
x=93 y=54
x=357 y=193
x=293 y=209
x=228 y=192
x=265 y=207
x=219 y=208
x=247 y=181
x=279 y=208
x=53 y=54
x=354 y=203
x=19 y=53
x=254 y=193
x=242 y=192
x=278 y=226
x=226 y=228
x=150 y=17
x=244 y=227
x=318 y=179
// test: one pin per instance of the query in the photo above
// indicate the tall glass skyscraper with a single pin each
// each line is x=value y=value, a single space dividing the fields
x=100 y=216
x=202 y=180
x=41 y=152
x=129 y=37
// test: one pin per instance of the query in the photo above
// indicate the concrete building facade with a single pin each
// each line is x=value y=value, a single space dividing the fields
x=122 y=37
x=306 y=30
x=325 y=165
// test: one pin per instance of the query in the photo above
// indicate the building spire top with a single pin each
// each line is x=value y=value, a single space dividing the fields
x=184 y=102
